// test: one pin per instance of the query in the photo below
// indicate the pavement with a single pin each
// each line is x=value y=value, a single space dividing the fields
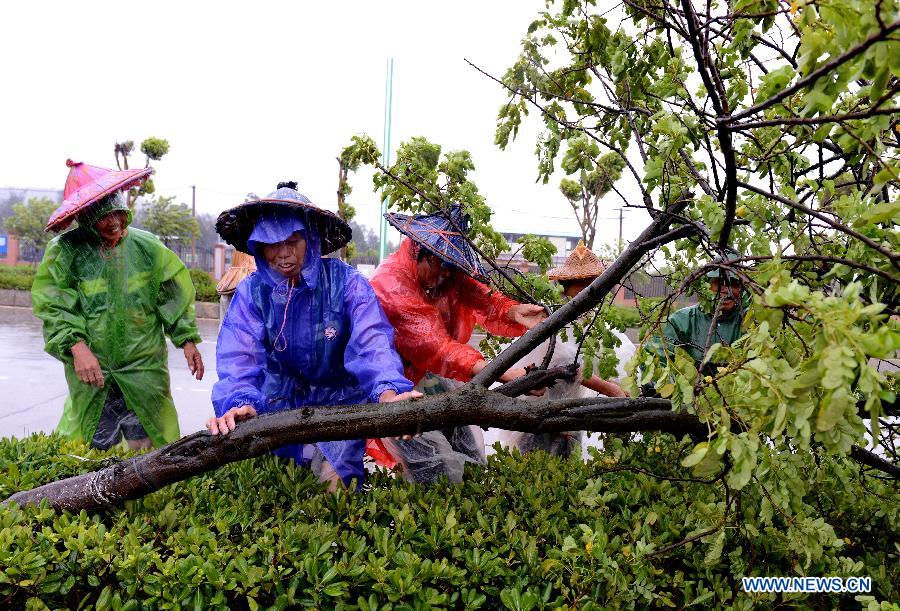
x=34 y=387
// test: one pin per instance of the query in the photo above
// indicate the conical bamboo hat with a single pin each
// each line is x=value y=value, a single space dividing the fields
x=581 y=265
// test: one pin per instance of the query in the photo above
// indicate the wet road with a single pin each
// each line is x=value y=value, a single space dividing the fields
x=33 y=387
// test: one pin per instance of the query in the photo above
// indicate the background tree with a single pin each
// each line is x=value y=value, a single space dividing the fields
x=345 y=211
x=423 y=181
x=365 y=241
x=28 y=220
x=208 y=237
x=171 y=222
x=12 y=198
x=153 y=149
x=596 y=176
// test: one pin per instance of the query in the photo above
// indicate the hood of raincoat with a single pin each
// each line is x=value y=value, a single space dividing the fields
x=112 y=203
x=275 y=226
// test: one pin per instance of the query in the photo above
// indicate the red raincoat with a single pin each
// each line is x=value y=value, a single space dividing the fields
x=433 y=335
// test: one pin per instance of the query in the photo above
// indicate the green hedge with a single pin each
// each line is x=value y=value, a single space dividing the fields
x=20 y=277
x=17 y=277
x=204 y=285
x=525 y=533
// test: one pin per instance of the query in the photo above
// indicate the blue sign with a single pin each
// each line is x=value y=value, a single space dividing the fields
x=3 y=241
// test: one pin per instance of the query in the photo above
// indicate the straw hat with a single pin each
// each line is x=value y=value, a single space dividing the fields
x=581 y=265
x=440 y=235
x=242 y=265
x=87 y=185
x=236 y=224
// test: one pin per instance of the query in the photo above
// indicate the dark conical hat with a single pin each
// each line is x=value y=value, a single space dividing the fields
x=236 y=224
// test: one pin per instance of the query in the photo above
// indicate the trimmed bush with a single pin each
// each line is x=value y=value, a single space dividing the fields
x=204 y=285
x=530 y=532
x=17 y=277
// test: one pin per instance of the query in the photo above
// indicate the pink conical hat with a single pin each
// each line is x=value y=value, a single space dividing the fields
x=88 y=184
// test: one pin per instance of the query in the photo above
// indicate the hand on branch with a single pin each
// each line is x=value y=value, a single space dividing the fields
x=527 y=314
x=390 y=396
x=226 y=423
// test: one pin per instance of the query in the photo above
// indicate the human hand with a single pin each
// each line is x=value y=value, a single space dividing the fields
x=194 y=359
x=390 y=396
x=226 y=423
x=527 y=314
x=87 y=367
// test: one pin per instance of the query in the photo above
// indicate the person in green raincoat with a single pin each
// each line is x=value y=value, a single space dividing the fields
x=688 y=328
x=108 y=294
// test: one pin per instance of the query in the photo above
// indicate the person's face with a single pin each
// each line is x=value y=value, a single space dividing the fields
x=432 y=274
x=286 y=257
x=573 y=287
x=111 y=227
x=729 y=293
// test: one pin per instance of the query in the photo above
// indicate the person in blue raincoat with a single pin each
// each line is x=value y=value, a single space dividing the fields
x=302 y=329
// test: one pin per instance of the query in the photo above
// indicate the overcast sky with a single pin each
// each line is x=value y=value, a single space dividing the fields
x=249 y=94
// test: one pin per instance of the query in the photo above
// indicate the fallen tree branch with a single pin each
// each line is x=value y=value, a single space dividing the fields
x=588 y=298
x=202 y=452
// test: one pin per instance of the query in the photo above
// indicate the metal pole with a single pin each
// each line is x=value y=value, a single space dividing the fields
x=621 y=214
x=194 y=215
x=386 y=154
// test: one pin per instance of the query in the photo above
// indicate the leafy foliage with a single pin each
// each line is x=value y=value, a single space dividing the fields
x=169 y=221
x=530 y=532
x=18 y=277
x=776 y=126
x=204 y=285
x=153 y=149
x=596 y=176
x=29 y=219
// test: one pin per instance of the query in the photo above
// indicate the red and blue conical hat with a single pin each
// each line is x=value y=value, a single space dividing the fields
x=88 y=184
x=442 y=235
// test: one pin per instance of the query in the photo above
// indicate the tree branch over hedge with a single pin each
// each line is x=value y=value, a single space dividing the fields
x=202 y=452
x=586 y=299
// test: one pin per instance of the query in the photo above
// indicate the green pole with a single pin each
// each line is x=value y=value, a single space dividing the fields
x=386 y=154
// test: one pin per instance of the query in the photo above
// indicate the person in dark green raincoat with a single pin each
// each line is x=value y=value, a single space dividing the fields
x=688 y=328
x=108 y=294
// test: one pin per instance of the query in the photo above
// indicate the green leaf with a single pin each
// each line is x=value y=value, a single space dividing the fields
x=832 y=408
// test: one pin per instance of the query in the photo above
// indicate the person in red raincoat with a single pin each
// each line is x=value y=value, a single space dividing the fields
x=433 y=291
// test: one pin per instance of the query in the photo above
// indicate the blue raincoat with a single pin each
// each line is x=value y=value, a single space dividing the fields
x=334 y=345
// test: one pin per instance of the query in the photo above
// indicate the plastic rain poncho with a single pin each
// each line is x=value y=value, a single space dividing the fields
x=564 y=353
x=323 y=342
x=433 y=335
x=122 y=302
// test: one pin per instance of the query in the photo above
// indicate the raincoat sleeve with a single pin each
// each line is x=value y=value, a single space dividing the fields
x=55 y=301
x=175 y=305
x=491 y=308
x=370 y=354
x=240 y=355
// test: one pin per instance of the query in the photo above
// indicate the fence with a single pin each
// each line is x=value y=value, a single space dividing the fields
x=198 y=257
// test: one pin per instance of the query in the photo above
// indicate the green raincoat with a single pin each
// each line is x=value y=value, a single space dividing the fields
x=122 y=303
x=688 y=327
